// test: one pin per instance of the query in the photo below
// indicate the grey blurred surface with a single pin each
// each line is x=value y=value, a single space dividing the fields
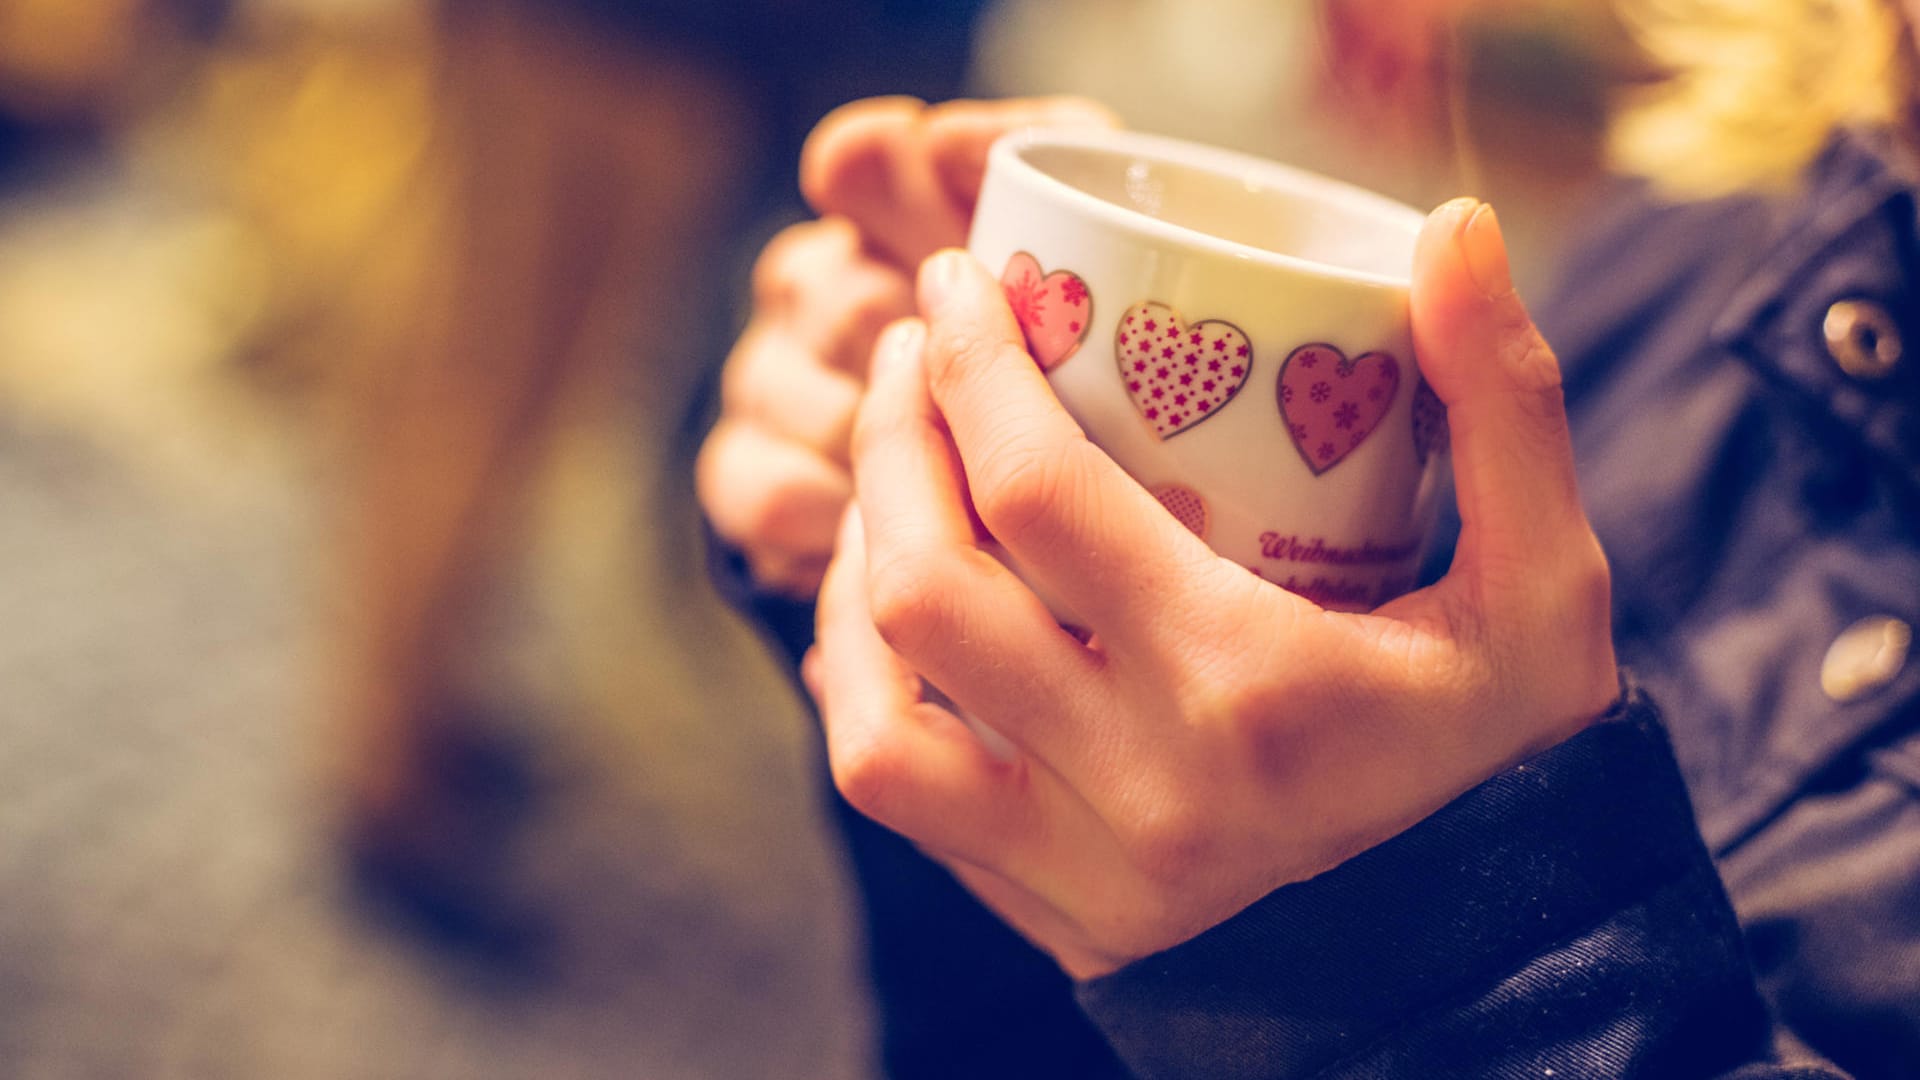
x=171 y=896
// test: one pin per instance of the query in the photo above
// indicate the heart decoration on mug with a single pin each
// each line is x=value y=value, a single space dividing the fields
x=1331 y=404
x=1430 y=434
x=1186 y=506
x=1055 y=310
x=1179 y=374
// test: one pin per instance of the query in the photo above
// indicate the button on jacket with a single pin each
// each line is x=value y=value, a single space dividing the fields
x=1744 y=387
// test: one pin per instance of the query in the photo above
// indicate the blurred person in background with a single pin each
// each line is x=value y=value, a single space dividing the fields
x=1524 y=886
x=593 y=165
x=269 y=257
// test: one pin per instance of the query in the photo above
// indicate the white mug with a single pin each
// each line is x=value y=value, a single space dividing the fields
x=1235 y=334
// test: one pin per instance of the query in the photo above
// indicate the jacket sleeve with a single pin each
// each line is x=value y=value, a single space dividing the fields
x=786 y=623
x=1562 y=919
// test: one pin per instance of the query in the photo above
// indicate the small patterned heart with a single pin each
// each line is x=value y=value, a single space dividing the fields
x=1055 y=310
x=1331 y=404
x=1178 y=374
x=1186 y=506
x=1430 y=435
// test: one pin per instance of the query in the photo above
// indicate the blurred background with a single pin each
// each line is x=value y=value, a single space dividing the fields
x=364 y=710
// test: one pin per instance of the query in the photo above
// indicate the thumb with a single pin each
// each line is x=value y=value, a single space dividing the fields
x=1512 y=457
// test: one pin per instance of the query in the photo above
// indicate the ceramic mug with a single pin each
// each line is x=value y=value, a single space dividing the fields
x=1234 y=332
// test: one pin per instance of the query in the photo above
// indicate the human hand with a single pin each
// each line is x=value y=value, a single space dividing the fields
x=897 y=180
x=773 y=475
x=1217 y=737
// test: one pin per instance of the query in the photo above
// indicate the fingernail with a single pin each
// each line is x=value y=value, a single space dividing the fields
x=901 y=345
x=1486 y=253
x=939 y=275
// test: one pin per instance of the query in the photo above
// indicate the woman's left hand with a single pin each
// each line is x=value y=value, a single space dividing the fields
x=1218 y=737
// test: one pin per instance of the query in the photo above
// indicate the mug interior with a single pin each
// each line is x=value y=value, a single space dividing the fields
x=1244 y=201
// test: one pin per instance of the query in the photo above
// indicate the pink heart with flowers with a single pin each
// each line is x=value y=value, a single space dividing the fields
x=1331 y=404
x=1054 y=310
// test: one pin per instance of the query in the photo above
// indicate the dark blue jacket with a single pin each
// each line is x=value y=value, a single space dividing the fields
x=1751 y=461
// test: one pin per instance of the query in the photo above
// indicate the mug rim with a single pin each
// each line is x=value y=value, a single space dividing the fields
x=1007 y=154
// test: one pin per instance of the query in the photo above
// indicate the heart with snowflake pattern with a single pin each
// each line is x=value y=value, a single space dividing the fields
x=1430 y=435
x=1331 y=404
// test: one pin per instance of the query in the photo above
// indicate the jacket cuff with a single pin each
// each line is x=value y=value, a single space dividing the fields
x=786 y=623
x=1328 y=968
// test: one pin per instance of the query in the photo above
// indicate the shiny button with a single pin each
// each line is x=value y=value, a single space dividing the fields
x=1863 y=338
x=1865 y=657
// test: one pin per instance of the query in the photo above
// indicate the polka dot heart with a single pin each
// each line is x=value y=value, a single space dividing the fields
x=1186 y=506
x=1331 y=404
x=1179 y=375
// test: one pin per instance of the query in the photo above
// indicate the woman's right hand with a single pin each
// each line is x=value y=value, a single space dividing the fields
x=896 y=180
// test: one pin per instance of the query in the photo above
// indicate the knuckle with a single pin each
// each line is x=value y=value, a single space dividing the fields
x=911 y=597
x=1588 y=579
x=781 y=513
x=946 y=119
x=1020 y=490
x=864 y=305
x=775 y=272
x=740 y=376
x=764 y=514
x=1539 y=401
x=790 y=572
x=1168 y=841
x=868 y=773
x=1259 y=730
x=749 y=505
x=852 y=142
x=946 y=112
x=1216 y=700
x=802 y=258
x=1532 y=365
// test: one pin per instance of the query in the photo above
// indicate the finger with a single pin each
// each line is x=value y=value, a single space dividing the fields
x=959 y=134
x=766 y=495
x=787 y=574
x=868 y=162
x=1077 y=525
x=844 y=308
x=1512 y=455
x=911 y=766
x=908 y=174
x=781 y=387
x=951 y=610
x=832 y=296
